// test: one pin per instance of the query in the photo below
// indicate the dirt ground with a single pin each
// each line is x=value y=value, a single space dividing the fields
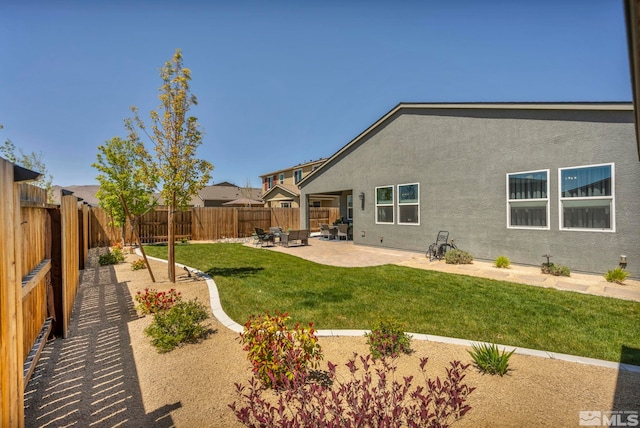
x=123 y=381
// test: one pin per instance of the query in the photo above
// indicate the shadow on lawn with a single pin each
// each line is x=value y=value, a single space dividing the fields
x=90 y=378
x=240 y=272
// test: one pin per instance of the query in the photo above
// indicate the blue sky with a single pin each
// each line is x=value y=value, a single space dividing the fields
x=284 y=82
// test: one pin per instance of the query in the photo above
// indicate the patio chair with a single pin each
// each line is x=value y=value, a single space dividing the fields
x=438 y=249
x=343 y=230
x=264 y=237
x=325 y=230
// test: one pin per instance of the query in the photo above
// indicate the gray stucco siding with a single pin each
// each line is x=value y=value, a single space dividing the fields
x=461 y=160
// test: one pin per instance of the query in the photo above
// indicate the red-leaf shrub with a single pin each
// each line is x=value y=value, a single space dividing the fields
x=277 y=352
x=362 y=400
x=152 y=301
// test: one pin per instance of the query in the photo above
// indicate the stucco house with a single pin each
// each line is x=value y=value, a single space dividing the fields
x=514 y=179
x=281 y=187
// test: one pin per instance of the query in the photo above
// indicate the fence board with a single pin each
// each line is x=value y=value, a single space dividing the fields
x=207 y=223
x=11 y=357
x=70 y=257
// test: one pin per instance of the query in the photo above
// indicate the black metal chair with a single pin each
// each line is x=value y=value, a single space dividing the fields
x=264 y=237
x=438 y=249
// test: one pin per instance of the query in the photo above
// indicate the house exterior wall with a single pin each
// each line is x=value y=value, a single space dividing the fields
x=276 y=196
x=461 y=157
x=288 y=173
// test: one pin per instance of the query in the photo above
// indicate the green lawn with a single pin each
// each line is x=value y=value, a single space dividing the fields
x=252 y=281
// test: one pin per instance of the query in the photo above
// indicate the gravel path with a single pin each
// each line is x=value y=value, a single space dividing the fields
x=107 y=374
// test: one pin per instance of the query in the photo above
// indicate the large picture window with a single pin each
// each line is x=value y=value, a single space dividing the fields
x=384 y=204
x=528 y=200
x=409 y=203
x=587 y=198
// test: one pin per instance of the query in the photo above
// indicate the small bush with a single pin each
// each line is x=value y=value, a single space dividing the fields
x=138 y=264
x=178 y=325
x=112 y=257
x=554 y=269
x=152 y=301
x=370 y=396
x=489 y=359
x=388 y=339
x=502 y=262
x=617 y=275
x=458 y=257
x=278 y=352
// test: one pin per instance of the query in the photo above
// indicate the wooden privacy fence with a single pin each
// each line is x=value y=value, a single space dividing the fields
x=41 y=249
x=206 y=224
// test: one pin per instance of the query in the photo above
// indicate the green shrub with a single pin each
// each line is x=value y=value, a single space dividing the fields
x=388 y=339
x=617 y=275
x=489 y=359
x=152 y=301
x=112 y=257
x=458 y=257
x=178 y=325
x=502 y=262
x=554 y=269
x=279 y=353
x=138 y=264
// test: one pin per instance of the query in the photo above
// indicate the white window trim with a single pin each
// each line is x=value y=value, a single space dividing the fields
x=547 y=200
x=350 y=200
x=295 y=180
x=612 y=198
x=281 y=178
x=392 y=205
x=399 y=204
x=270 y=182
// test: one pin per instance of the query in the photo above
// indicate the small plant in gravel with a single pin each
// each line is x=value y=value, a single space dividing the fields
x=502 y=262
x=113 y=256
x=458 y=257
x=489 y=359
x=151 y=301
x=178 y=325
x=388 y=339
x=617 y=275
x=277 y=352
x=138 y=264
x=370 y=397
x=555 y=269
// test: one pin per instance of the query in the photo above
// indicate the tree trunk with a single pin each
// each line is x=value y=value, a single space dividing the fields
x=133 y=228
x=171 y=257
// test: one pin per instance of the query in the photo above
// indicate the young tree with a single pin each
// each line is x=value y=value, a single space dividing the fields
x=247 y=191
x=33 y=161
x=126 y=182
x=176 y=136
x=124 y=173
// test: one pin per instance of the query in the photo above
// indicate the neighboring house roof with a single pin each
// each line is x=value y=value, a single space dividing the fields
x=632 y=17
x=221 y=192
x=287 y=188
x=86 y=192
x=225 y=192
x=243 y=202
x=299 y=166
x=596 y=106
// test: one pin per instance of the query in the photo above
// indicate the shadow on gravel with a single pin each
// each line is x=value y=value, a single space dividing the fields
x=90 y=378
x=627 y=386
